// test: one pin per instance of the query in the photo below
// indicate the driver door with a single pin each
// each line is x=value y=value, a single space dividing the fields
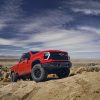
x=23 y=64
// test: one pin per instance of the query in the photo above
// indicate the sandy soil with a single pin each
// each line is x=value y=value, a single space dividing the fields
x=84 y=86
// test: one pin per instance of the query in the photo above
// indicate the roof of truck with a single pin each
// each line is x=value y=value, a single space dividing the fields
x=34 y=52
x=52 y=51
x=47 y=51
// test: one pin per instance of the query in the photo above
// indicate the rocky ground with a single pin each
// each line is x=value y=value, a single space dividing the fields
x=82 y=84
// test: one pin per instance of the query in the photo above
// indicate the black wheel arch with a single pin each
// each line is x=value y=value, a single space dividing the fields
x=37 y=61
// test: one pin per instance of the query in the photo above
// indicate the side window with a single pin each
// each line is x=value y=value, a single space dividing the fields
x=22 y=58
x=25 y=56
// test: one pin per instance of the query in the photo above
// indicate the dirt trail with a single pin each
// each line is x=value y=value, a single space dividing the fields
x=85 y=86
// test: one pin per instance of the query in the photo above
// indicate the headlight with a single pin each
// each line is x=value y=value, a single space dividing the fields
x=46 y=55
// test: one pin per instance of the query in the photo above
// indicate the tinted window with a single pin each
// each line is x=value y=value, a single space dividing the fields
x=34 y=52
x=25 y=56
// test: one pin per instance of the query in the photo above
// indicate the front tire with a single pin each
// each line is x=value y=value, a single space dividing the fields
x=14 y=77
x=38 y=73
x=63 y=73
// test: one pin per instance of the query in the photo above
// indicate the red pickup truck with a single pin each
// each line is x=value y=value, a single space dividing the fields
x=36 y=65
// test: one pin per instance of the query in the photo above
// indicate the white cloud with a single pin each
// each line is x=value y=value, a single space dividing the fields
x=72 y=40
x=13 y=42
x=9 y=11
x=69 y=40
x=5 y=42
x=87 y=7
x=87 y=11
x=89 y=29
x=47 y=20
x=10 y=8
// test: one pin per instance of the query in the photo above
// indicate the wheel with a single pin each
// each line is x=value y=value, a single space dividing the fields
x=14 y=77
x=38 y=73
x=63 y=73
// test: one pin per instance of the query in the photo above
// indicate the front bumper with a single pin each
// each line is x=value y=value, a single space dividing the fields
x=56 y=65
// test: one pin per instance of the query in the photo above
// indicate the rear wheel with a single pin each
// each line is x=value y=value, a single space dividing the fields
x=63 y=73
x=38 y=73
x=14 y=77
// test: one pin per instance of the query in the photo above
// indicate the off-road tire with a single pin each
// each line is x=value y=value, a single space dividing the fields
x=14 y=77
x=38 y=73
x=63 y=73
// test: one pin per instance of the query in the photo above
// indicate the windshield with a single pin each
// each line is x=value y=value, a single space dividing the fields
x=34 y=52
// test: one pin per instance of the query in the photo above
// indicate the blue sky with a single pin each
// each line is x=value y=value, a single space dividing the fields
x=70 y=25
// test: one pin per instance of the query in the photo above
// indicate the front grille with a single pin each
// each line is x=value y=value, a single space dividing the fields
x=58 y=56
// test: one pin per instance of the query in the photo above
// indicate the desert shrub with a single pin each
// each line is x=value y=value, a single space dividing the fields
x=87 y=69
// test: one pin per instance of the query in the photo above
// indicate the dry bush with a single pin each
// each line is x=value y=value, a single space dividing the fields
x=79 y=70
